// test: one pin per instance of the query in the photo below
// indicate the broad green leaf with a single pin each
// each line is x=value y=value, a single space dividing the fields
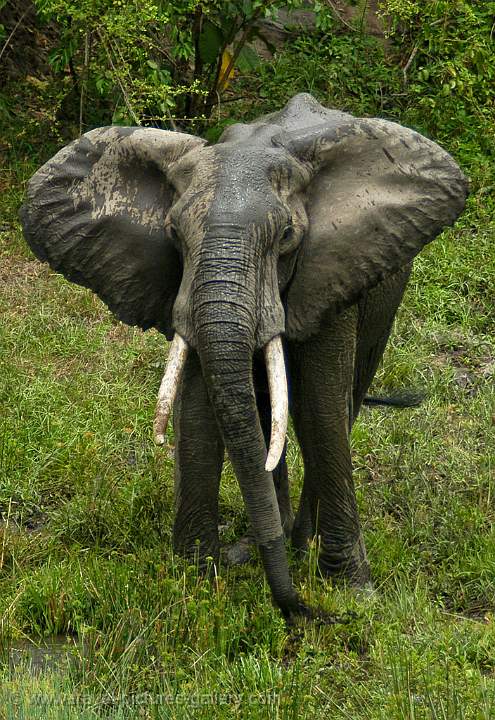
x=210 y=42
x=248 y=59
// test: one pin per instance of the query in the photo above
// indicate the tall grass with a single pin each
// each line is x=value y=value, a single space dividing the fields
x=86 y=508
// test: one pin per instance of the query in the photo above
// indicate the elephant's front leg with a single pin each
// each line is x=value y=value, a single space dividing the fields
x=322 y=371
x=199 y=453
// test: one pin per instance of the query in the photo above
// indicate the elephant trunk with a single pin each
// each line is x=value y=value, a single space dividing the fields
x=225 y=327
x=227 y=367
x=225 y=322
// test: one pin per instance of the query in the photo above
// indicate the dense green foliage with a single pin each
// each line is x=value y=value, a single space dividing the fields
x=153 y=61
x=451 y=85
x=85 y=497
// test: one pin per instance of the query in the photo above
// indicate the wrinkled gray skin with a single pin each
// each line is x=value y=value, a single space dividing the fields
x=303 y=224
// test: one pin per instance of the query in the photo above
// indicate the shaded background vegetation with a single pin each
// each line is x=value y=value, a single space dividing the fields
x=77 y=65
x=85 y=498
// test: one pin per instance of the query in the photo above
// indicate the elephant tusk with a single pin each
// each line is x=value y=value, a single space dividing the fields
x=168 y=387
x=277 y=382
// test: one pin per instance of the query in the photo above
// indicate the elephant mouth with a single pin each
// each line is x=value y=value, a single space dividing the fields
x=277 y=384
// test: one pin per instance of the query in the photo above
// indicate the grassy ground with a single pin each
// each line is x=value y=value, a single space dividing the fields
x=86 y=504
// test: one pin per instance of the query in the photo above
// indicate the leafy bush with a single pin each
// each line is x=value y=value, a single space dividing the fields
x=347 y=71
x=434 y=70
x=447 y=48
x=153 y=62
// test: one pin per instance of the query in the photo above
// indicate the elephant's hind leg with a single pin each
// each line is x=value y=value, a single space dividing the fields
x=322 y=372
x=376 y=314
x=199 y=453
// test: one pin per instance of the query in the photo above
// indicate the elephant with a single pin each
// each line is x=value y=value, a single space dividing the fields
x=274 y=261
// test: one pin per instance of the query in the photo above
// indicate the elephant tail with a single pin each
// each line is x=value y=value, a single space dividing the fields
x=406 y=398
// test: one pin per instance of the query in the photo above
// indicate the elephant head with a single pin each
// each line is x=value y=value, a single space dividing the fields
x=225 y=248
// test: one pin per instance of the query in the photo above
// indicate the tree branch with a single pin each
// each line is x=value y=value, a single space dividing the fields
x=408 y=63
x=339 y=16
x=119 y=81
x=84 y=79
x=13 y=32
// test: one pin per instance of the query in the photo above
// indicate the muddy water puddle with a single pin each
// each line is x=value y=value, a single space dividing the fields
x=43 y=655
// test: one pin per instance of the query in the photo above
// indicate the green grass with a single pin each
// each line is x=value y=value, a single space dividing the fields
x=87 y=500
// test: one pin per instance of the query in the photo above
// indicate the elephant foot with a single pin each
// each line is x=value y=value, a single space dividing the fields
x=356 y=577
x=302 y=527
x=303 y=614
x=349 y=565
x=204 y=554
x=239 y=553
x=300 y=540
x=287 y=524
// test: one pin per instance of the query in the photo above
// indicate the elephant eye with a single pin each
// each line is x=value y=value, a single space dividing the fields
x=289 y=240
x=287 y=234
x=174 y=236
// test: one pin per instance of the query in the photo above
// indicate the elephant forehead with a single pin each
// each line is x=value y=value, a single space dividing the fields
x=243 y=170
x=259 y=133
x=258 y=168
x=229 y=180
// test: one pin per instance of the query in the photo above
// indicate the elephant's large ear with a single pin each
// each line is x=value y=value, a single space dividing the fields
x=96 y=212
x=379 y=192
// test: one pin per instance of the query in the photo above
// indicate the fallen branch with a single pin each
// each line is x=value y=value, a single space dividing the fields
x=408 y=63
x=14 y=30
x=339 y=16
